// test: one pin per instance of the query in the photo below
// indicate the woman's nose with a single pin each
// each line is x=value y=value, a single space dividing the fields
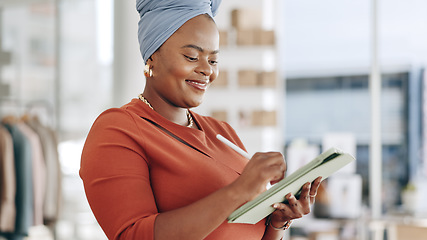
x=204 y=68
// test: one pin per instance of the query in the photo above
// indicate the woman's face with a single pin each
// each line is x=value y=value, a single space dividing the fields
x=185 y=65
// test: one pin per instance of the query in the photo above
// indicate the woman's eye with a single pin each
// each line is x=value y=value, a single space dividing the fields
x=213 y=62
x=190 y=58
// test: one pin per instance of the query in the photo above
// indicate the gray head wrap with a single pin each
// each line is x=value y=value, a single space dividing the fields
x=159 y=19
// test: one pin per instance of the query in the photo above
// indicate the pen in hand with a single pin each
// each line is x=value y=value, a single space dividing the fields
x=237 y=149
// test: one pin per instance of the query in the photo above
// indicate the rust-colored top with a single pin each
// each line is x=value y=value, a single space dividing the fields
x=136 y=164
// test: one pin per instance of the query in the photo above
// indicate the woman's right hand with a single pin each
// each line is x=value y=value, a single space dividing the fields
x=263 y=168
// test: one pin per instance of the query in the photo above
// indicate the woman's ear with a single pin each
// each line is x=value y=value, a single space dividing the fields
x=150 y=60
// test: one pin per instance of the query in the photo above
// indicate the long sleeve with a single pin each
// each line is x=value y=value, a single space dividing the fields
x=116 y=179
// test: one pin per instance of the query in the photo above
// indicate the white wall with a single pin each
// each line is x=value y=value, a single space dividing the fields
x=128 y=77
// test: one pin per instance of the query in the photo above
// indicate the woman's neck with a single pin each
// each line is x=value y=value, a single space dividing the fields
x=174 y=114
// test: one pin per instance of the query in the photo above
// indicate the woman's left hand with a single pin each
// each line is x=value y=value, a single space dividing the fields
x=295 y=208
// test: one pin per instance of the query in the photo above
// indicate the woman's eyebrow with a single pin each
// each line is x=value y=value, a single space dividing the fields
x=199 y=48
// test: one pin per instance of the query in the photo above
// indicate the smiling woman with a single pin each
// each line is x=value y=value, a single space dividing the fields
x=153 y=169
x=182 y=68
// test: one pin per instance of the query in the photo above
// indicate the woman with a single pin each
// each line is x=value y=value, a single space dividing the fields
x=152 y=169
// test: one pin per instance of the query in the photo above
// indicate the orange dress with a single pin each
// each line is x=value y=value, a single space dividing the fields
x=136 y=164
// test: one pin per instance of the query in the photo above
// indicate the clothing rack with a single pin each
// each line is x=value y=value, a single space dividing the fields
x=43 y=109
x=36 y=180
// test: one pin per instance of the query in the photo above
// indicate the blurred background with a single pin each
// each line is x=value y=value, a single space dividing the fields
x=295 y=76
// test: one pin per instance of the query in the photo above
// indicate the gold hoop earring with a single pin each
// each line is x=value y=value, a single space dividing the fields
x=148 y=72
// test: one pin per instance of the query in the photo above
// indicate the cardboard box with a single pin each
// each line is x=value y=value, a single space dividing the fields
x=264 y=37
x=264 y=118
x=252 y=78
x=412 y=232
x=245 y=37
x=221 y=80
x=223 y=38
x=246 y=19
x=255 y=37
x=248 y=78
x=220 y=115
x=268 y=79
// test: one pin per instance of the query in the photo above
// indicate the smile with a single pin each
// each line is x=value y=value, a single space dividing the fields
x=198 y=84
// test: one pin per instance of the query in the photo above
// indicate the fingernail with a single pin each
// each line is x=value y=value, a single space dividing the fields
x=276 y=205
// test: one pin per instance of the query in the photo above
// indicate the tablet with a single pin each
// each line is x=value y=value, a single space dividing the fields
x=323 y=166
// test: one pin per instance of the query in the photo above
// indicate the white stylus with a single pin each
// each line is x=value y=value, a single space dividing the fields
x=233 y=146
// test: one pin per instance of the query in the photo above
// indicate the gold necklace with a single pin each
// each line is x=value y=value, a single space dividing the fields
x=189 y=117
x=142 y=98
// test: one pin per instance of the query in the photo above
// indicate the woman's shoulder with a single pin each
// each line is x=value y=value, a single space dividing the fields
x=116 y=123
x=119 y=116
x=113 y=116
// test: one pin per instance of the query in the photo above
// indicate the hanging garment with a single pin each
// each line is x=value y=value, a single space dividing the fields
x=24 y=187
x=39 y=171
x=7 y=182
x=53 y=172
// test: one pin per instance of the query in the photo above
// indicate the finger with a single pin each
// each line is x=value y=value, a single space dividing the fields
x=305 y=192
x=270 y=158
x=292 y=201
x=279 y=173
x=281 y=206
x=272 y=173
x=315 y=185
x=313 y=190
x=266 y=167
x=295 y=206
x=282 y=212
x=275 y=172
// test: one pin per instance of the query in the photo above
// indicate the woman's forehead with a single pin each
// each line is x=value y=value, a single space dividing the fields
x=199 y=31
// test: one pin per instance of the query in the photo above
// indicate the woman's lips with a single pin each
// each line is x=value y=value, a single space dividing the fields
x=201 y=85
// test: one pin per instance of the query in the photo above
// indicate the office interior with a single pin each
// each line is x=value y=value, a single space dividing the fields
x=295 y=76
